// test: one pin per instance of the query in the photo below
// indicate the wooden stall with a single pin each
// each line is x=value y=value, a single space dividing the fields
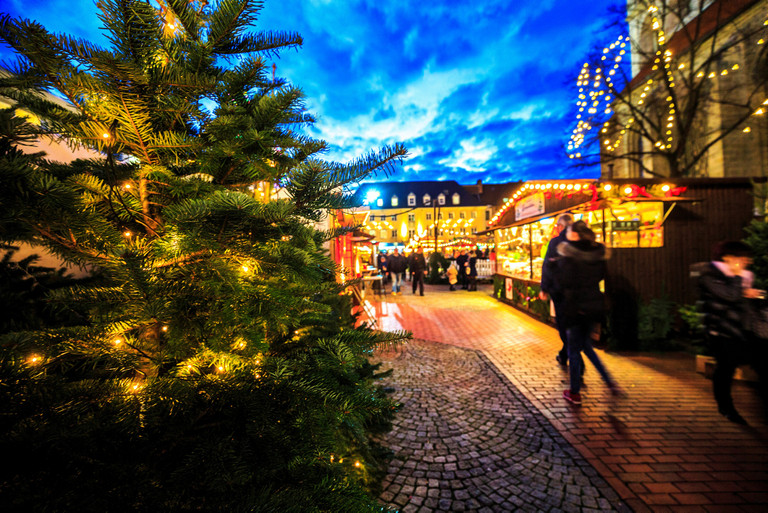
x=654 y=228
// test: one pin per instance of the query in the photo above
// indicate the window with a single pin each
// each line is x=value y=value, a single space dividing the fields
x=456 y=198
x=383 y=234
x=411 y=233
x=427 y=199
x=474 y=230
x=373 y=218
x=411 y=218
x=450 y=215
x=440 y=216
x=394 y=201
x=394 y=234
x=487 y=215
x=441 y=199
x=474 y=215
x=429 y=217
x=380 y=203
x=461 y=215
x=411 y=200
x=393 y=218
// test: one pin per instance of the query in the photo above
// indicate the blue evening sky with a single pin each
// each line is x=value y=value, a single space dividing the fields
x=475 y=90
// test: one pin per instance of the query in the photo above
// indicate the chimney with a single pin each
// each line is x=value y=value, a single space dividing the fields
x=480 y=186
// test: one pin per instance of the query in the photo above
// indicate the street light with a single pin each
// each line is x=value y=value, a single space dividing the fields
x=435 y=213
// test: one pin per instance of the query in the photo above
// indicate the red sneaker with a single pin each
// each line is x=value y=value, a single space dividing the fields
x=572 y=398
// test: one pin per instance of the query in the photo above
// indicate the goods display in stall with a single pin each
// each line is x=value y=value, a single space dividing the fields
x=618 y=222
x=520 y=249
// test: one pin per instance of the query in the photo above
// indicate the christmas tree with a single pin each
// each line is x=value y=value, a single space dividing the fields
x=216 y=366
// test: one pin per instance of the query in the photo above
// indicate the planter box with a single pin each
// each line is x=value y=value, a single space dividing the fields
x=706 y=365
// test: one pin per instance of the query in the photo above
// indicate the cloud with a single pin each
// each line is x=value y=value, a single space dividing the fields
x=474 y=89
x=471 y=155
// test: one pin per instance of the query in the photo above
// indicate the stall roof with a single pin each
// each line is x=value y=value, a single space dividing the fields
x=580 y=208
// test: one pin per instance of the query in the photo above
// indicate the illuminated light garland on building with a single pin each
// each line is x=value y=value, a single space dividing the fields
x=589 y=99
x=592 y=100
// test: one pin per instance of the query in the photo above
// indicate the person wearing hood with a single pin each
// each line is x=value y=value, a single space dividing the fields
x=550 y=286
x=728 y=301
x=581 y=268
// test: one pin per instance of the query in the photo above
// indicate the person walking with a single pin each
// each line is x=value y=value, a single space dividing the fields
x=472 y=274
x=452 y=272
x=725 y=287
x=381 y=267
x=418 y=266
x=461 y=263
x=551 y=289
x=395 y=265
x=581 y=268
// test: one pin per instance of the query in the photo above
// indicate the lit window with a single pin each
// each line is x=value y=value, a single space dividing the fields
x=379 y=202
x=426 y=199
x=383 y=234
x=441 y=199
x=456 y=198
x=474 y=215
x=411 y=200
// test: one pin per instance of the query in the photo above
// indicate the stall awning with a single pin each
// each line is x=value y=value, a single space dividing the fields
x=587 y=205
x=533 y=219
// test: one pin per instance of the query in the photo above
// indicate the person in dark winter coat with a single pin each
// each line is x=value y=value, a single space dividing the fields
x=418 y=266
x=395 y=266
x=728 y=299
x=381 y=264
x=461 y=263
x=472 y=275
x=581 y=268
x=550 y=286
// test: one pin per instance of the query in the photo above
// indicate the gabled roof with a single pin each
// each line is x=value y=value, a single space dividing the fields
x=493 y=193
x=387 y=190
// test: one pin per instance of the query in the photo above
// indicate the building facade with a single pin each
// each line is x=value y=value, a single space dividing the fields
x=695 y=104
x=424 y=213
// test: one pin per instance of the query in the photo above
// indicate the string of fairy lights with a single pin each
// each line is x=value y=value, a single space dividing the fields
x=447 y=227
x=595 y=92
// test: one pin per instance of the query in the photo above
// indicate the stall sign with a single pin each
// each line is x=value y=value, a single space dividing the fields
x=509 y=288
x=531 y=206
x=625 y=226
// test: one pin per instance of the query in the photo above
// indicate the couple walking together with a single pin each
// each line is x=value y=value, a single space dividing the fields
x=397 y=264
x=574 y=266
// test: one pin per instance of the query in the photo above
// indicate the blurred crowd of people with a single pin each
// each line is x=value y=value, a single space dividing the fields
x=459 y=267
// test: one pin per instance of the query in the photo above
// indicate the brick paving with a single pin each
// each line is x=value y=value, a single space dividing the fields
x=484 y=392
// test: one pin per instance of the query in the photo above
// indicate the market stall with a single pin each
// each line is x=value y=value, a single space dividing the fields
x=655 y=229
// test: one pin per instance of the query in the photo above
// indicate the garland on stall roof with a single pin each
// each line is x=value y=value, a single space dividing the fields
x=606 y=191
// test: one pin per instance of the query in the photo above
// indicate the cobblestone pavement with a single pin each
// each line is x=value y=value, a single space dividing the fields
x=467 y=440
x=663 y=447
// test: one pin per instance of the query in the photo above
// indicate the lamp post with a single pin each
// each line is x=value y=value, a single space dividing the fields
x=435 y=213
